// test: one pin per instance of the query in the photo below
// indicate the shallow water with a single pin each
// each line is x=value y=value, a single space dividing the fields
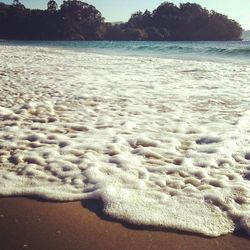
x=160 y=141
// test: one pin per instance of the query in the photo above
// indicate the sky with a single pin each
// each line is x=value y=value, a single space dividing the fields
x=120 y=10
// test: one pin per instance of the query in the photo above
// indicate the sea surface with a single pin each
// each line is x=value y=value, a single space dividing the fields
x=159 y=131
x=208 y=51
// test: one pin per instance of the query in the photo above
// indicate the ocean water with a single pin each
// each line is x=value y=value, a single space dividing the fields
x=209 y=51
x=160 y=132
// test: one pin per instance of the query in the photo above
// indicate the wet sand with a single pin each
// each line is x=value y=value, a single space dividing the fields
x=32 y=224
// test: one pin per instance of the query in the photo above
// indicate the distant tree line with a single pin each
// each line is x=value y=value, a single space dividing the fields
x=76 y=20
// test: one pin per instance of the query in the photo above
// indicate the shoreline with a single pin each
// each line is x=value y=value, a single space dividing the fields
x=26 y=223
x=143 y=136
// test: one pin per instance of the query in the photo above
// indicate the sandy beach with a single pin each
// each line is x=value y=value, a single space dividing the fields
x=161 y=142
x=30 y=224
x=124 y=130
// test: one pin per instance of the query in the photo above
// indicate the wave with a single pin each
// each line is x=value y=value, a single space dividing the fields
x=228 y=51
x=192 y=49
x=185 y=50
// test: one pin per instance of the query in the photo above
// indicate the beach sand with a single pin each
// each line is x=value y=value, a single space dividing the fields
x=33 y=224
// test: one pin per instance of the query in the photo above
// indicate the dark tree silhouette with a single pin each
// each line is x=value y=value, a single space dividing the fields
x=18 y=5
x=52 y=6
x=186 y=22
x=80 y=20
x=76 y=20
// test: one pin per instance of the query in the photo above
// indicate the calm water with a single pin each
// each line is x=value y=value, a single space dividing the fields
x=211 y=51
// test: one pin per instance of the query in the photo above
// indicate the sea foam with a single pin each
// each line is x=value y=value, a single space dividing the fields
x=161 y=142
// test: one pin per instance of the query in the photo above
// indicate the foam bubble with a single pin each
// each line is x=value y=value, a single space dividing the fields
x=157 y=148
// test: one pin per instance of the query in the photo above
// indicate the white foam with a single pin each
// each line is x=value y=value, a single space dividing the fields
x=159 y=143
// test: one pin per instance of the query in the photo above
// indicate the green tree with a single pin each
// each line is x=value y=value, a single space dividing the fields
x=136 y=20
x=80 y=20
x=140 y=20
x=16 y=4
x=52 y=6
x=155 y=34
x=135 y=35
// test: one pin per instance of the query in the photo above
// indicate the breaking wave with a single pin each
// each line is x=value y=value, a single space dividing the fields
x=211 y=51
